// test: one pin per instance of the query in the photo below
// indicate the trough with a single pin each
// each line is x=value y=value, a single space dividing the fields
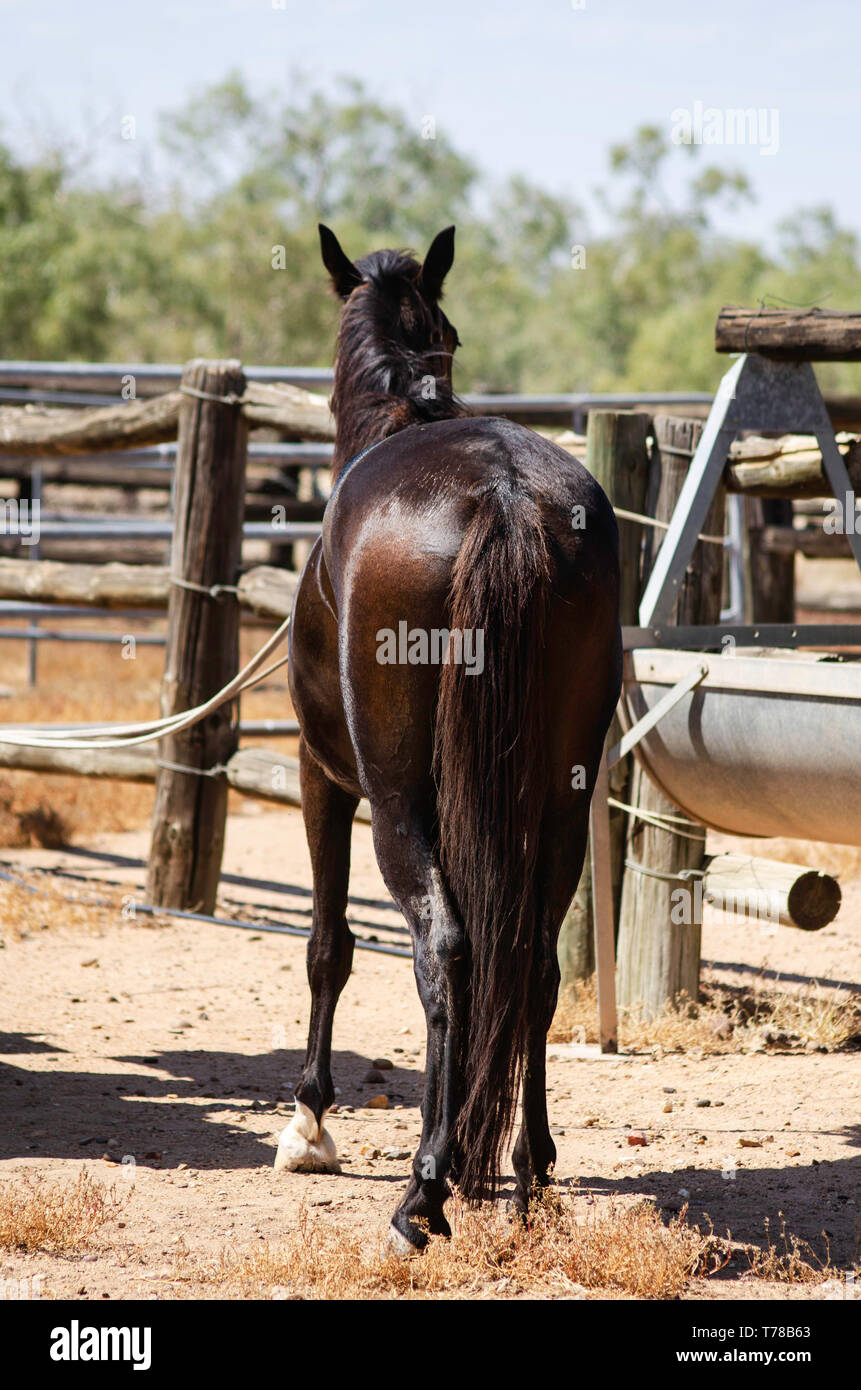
x=767 y=744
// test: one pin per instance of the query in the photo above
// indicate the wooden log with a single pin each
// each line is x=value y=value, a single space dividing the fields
x=139 y=423
x=99 y=586
x=126 y=425
x=263 y=591
x=658 y=953
x=268 y=592
x=617 y=456
x=119 y=764
x=301 y=414
x=273 y=777
x=810 y=541
x=772 y=891
x=254 y=772
x=788 y=467
x=795 y=335
x=202 y=652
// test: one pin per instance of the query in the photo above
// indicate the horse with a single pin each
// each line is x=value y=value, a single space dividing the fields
x=455 y=657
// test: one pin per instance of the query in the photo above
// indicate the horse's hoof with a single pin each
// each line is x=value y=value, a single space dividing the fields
x=305 y=1146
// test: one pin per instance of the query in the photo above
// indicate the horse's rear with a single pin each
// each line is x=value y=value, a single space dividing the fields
x=456 y=658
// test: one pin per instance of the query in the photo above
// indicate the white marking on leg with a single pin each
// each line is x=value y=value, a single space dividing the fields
x=306 y=1146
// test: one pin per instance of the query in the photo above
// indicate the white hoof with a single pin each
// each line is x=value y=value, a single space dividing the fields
x=305 y=1146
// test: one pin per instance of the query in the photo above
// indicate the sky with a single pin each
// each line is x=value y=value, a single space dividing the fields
x=541 y=87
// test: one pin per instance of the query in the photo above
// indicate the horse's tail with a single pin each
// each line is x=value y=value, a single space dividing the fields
x=489 y=764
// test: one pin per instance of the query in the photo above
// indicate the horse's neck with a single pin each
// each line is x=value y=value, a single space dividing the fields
x=372 y=418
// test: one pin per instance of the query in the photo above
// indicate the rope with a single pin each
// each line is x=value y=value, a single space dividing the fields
x=662 y=525
x=792 y=304
x=212 y=590
x=229 y=399
x=129 y=735
x=216 y=771
x=657 y=819
x=682 y=876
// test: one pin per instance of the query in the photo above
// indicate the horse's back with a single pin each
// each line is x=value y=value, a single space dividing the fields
x=406 y=503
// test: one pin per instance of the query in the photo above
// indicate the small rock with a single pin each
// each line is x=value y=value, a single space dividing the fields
x=383 y=1064
x=557 y=1129
x=591 y=1122
x=374 y=1076
x=702 y=1104
x=396 y=1153
x=377 y=1103
x=669 y=1090
x=668 y=1107
x=635 y=1139
x=369 y=1151
x=93 y=961
x=750 y=1143
x=793 y=1153
x=109 y=1158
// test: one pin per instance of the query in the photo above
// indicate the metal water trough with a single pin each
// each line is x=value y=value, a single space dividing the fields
x=766 y=744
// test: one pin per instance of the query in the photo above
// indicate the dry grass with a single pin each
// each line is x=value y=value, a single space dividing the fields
x=23 y=913
x=567 y=1249
x=61 y=1218
x=725 y=1019
x=793 y=1261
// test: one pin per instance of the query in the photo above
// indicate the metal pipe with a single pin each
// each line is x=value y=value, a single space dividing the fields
x=141 y=529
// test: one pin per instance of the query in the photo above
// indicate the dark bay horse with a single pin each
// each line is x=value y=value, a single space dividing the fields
x=455 y=658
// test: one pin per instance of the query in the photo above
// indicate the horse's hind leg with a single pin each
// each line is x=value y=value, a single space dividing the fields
x=305 y=1145
x=413 y=876
x=534 y=1152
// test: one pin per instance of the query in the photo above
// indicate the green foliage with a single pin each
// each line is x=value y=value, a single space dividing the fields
x=221 y=258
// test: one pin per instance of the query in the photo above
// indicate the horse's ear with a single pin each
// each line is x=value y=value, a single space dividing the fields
x=345 y=275
x=438 y=263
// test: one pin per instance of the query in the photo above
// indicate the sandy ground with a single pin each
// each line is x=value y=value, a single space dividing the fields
x=163 y=1057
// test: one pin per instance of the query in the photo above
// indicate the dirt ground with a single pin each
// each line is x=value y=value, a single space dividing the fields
x=161 y=1057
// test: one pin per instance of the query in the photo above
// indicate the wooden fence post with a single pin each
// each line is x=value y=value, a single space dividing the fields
x=202 y=652
x=617 y=457
x=770 y=577
x=659 y=941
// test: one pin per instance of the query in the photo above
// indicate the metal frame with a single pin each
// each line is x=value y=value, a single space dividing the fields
x=756 y=393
